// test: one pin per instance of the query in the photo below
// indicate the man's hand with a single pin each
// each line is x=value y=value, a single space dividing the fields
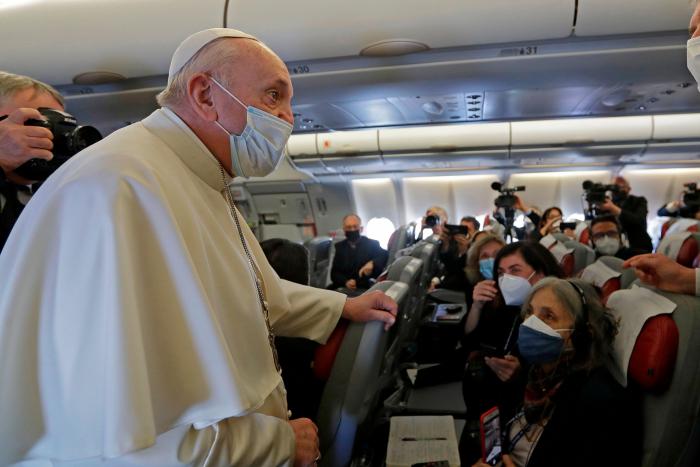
x=663 y=273
x=306 y=436
x=367 y=269
x=371 y=306
x=351 y=284
x=485 y=291
x=19 y=143
x=505 y=368
x=609 y=206
x=519 y=204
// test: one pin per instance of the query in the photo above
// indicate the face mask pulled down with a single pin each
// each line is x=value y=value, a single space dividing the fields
x=259 y=148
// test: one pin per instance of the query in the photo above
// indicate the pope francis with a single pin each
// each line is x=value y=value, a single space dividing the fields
x=136 y=308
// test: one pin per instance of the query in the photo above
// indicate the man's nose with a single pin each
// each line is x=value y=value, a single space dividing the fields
x=286 y=114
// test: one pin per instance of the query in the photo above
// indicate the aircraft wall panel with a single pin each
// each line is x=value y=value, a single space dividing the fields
x=311 y=29
x=562 y=189
x=602 y=17
x=445 y=137
x=68 y=37
x=659 y=186
x=375 y=197
x=473 y=195
x=420 y=193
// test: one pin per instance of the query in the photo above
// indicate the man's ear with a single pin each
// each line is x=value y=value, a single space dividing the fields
x=199 y=96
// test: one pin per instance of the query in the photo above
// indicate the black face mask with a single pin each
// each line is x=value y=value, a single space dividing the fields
x=619 y=197
x=352 y=235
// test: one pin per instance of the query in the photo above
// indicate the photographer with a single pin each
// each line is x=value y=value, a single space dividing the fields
x=632 y=213
x=455 y=241
x=687 y=206
x=20 y=96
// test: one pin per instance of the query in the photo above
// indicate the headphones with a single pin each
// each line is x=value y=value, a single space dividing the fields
x=581 y=337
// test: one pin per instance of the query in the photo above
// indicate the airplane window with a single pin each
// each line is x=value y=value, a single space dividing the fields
x=380 y=229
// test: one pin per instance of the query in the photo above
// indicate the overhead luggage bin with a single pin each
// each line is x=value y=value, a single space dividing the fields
x=581 y=131
x=303 y=145
x=602 y=17
x=131 y=38
x=347 y=142
x=676 y=126
x=313 y=29
x=445 y=137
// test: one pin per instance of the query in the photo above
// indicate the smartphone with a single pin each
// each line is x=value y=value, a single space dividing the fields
x=490 y=425
x=453 y=229
x=567 y=225
x=491 y=350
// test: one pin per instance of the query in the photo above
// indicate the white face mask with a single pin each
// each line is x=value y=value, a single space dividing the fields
x=693 y=52
x=607 y=246
x=514 y=288
x=257 y=151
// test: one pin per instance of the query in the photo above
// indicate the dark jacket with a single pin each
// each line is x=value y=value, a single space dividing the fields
x=633 y=219
x=454 y=277
x=684 y=211
x=11 y=210
x=349 y=258
x=596 y=422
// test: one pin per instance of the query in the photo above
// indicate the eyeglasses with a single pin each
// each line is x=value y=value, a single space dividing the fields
x=609 y=233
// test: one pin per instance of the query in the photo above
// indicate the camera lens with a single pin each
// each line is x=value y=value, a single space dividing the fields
x=82 y=137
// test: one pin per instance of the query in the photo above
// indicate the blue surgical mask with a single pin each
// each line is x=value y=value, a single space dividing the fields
x=486 y=268
x=257 y=151
x=514 y=288
x=538 y=342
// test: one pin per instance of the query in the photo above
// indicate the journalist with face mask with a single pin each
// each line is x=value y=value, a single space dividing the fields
x=606 y=235
x=357 y=259
x=494 y=375
x=573 y=412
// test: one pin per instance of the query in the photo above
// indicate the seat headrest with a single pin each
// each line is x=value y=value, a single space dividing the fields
x=646 y=345
x=682 y=247
x=605 y=278
x=561 y=253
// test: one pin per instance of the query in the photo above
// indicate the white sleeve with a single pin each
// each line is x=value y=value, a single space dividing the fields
x=309 y=312
x=254 y=439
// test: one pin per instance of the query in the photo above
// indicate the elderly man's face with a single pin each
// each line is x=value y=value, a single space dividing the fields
x=29 y=99
x=259 y=79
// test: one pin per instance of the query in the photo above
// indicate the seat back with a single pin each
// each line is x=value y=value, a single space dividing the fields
x=409 y=270
x=627 y=276
x=679 y=225
x=428 y=253
x=682 y=247
x=319 y=260
x=583 y=255
x=605 y=278
x=399 y=240
x=672 y=419
x=563 y=254
x=357 y=377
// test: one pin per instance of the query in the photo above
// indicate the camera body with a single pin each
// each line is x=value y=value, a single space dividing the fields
x=506 y=199
x=69 y=138
x=453 y=229
x=596 y=193
x=691 y=197
x=431 y=221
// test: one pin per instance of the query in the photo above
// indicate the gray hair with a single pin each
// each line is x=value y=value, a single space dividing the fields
x=11 y=84
x=594 y=326
x=215 y=56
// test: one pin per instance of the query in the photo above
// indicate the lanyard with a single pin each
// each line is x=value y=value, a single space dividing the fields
x=258 y=286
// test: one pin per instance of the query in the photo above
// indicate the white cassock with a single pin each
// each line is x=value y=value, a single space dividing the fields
x=131 y=332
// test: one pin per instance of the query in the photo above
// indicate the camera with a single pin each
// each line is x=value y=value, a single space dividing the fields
x=507 y=199
x=69 y=138
x=596 y=194
x=453 y=229
x=431 y=221
x=691 y=197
